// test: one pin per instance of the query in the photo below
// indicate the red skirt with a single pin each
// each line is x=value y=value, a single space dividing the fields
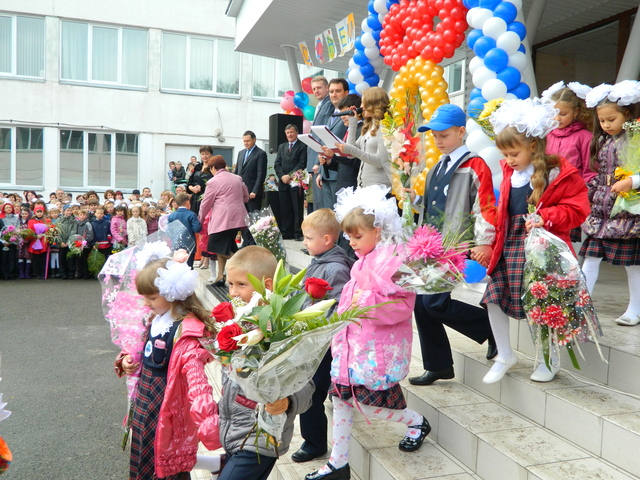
x=392 y=398
x=612 y=250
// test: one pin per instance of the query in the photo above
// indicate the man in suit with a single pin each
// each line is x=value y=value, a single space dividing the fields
x=292 y=156
x=324 y=110
x=251 y=165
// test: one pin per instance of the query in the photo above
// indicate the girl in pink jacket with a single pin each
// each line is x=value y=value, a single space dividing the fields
x=173 y=408
x=369 y=360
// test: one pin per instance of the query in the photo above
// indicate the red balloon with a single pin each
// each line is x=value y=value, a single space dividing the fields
x=306 y=87
x=296 y=111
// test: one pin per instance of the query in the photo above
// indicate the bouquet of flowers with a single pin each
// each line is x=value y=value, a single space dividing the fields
x=272 y=346
x=271 y=184
x=483 y=119
x=52 y=235
x=265 y=231
x=10 y=235
x=77 y=243
x=299 y=178
x=39 y=229
x=629 y=165
x=27 y=234
x=555 y=299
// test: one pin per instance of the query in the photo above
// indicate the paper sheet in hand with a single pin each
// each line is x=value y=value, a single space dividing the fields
x=311 y=142
x=326 y=136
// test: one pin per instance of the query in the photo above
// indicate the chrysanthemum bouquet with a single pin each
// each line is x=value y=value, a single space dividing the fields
x=265 y=231
x=10 y=235
x=52 y=235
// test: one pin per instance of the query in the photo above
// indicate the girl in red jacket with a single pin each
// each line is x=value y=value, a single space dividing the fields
x=174 y=407
x=530 y=178
x=38 y=246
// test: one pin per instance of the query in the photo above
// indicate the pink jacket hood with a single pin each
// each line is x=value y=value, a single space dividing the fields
x=574 y=144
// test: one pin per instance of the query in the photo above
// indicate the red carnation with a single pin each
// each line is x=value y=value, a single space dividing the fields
x=539 y=290
x=565 y=283
x=554 y=317
x=317 y=288
x=225 y=337
x=77 y=244
x=223 y=312
x=535 y=314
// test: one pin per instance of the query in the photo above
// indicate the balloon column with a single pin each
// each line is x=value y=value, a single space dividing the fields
x=298 y=104
x=367 y=63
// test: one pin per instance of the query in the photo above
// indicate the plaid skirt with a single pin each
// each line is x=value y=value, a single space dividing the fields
x=613 y=250
x=504 y=288
x=146 y=410
x=392 y=398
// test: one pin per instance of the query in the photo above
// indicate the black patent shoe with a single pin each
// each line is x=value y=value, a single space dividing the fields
x=430 y=376
x=343 y=473
x=301 y=455
x=408 y=444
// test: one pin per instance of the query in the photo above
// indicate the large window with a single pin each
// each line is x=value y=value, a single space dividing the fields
x=103 y=54
x=22 y=46
x=199 y=64
x=21 y=157
x=92 y=159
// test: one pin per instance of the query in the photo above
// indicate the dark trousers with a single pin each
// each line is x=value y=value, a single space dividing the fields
x=9 y=262
x=251 y=206
x=83 y=267
x=313 y=422
x=291 y=212
x=64 y=262
x=469 y=320
x=244 y=465
x=38 y=261
x=273 y=200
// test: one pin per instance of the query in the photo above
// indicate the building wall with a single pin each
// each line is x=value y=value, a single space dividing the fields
x=159 y=118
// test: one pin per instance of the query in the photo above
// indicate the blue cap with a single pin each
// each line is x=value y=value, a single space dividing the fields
x=445 y=116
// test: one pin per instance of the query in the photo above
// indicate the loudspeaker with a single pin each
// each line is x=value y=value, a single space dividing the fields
x=277 y=122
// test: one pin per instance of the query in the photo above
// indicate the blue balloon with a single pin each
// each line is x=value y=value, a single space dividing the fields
x=367 y=70
x=496 y=193
x=352 y=87
x=510 y=76
x=358 y=44
x=483 y=45
x=496 y=59
x=301 y=100
x=360 y=58
x=476 y=92
x=490 y=4
x=373 y=80
x=376 y=35
x=475 y=106
x=506 y=11
x=522 y=49
x=372 y=8
x=519 y=28
x=391 y=2
x=473 y=36
x=521 y=91
x=473 y=271
x=471 y=3
x=374 y=22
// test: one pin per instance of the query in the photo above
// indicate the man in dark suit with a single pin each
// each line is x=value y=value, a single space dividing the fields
x=324 y=110
x=292 y=156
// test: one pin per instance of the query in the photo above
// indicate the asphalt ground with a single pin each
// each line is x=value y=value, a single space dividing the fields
x=57 y=379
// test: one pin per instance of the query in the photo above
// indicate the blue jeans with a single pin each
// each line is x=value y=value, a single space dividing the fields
x=244 y=465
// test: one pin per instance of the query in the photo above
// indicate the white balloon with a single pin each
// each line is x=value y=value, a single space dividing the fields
x=510 y=96
x=472 y=125
x=477 y=16
x=355 y=76
x=482 y=75
x=380 y=6
x=474 y=64
x=494 y=27
x=492 y=156
x=494 y=88
x=478 y=140
x=372 y=53
x=368 y=40
x=509 y=42
x=381 y=17
x=518 y=60
x=365 y=26
x=361 y=87
x=352 y=64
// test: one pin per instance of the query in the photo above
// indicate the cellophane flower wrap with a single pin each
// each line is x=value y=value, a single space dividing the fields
x=272 y=346
x=299 y=178
x=77 y=244
x=555 y=298
x=629 y=161
x=39 y=229
x=53 y=235
x=27 y=234
x=265 y=231
x=10 y=235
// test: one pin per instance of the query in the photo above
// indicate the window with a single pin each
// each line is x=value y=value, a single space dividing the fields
x=227 y=154
x=22 y=46
x=454 y=76
x=21 y=159
x=199 y=64
x=89 y=159
x=103 y=54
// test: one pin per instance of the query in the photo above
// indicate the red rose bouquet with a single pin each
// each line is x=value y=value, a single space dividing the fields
x=77 y=244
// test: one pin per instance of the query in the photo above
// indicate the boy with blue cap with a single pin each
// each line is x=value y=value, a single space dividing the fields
x=458 y=199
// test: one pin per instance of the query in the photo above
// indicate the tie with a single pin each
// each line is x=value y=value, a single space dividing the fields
x=443 y=168
x=290 y=146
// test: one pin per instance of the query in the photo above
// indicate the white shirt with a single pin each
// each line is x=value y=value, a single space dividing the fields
x=161 y=324
x=455 y=156
x=522 y=177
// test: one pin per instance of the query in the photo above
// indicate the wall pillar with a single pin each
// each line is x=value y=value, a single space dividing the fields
x=294 y=73
x=630 y=66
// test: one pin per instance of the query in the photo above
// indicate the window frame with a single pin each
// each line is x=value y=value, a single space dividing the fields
x=13 y=157
x=14 y=49
x=187 y=74
x=447 y=72
x=119 y=56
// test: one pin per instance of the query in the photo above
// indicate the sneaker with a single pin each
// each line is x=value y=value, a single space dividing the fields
x=627 y=320
x=543 y=374
x=499 y=369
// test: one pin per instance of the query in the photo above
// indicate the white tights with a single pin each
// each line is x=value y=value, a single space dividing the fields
x=591 y=269
x=500 y=327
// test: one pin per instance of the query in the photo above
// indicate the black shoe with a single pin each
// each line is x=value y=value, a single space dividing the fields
x=408 y=444
x=492 y=349
x=343 y=473
x=430 y=376
x=301 y=455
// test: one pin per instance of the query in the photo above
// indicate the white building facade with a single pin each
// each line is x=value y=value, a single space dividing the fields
x=98 y=95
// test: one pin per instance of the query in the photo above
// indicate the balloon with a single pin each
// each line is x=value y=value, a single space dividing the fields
x=373 y=22
x=490 y=4
x=494 y=88
x=373 y=80
x=367 y=40
x=517 y=4
x=518 y=60
x=474 y=108
x=372 y=8
x=506 y=11
x=371 y=53
x=473 y=35
x=365 y=26
x=474 y=64
x=482 y=75
x=301 y=100
x=522 y=49
x=476 y=92
x=494 y=27
x=471 y=3
x=309 y=111
x=510 y=96
x=297 y=111
x=492 y=156
x=477 y=16
x=483 y=45
x=361 y=87
x=472 y=125
x=522 y=91
x=473 y=271
x=496 y=59
x=519 y=28
x=306 y=85
x=367 y=70
x=478 y=141
x=510 y=76
x=289 y=93
x=287 y=104
x=355 y=76
x=380 y=6
x=306 y=125
x=496 y=193
x=509 y=42
x=361 y=59
x=358 y=45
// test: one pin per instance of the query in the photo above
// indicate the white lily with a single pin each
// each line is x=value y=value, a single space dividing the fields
x=314 y=310
x=252 y=337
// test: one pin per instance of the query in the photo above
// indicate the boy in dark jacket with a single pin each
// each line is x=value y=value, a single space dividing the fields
x=68 y=225
x=85 y=231
x=330 y=263
x=102 y=232
x=188 y=218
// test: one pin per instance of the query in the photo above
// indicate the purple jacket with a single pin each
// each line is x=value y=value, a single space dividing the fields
x=376 y=354
x=225 y=197
x=573 y=143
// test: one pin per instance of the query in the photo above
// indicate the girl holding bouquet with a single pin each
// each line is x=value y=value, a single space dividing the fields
x=38 y=246
x=173 y=408
x=616 y=239
x=9 y=254
x=531 y=179
x=370 y=360
x=119 y=228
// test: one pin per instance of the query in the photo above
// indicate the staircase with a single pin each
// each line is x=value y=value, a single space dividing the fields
x=584 y=425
